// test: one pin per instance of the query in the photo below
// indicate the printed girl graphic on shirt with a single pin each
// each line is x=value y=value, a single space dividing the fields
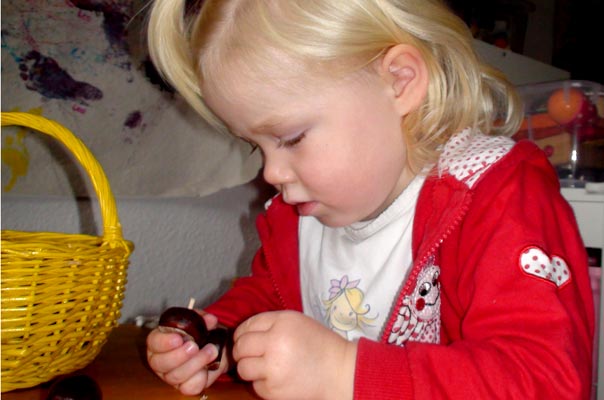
x=345 y=311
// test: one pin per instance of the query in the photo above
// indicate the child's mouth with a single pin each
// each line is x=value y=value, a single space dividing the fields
x=306 y=208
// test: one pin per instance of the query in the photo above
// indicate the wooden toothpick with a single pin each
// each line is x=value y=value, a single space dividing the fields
x=191 y=303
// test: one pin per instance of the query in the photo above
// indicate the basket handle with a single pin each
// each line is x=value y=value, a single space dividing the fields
x=112 y=231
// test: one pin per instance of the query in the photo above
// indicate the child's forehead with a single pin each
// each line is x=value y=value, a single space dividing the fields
x=276 y=71
x=253 y=90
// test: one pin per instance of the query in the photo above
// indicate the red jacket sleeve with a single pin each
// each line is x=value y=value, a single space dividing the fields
x=274 y=283
x=248 y=296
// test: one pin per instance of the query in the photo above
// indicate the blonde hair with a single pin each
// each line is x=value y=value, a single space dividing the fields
x=192 y=47
x=354 y=297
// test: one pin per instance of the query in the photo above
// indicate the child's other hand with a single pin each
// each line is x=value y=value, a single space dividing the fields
x=182 y=364
x=288 y=355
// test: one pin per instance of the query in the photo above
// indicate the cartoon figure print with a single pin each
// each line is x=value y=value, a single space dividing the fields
x=345 y=311
x=418 y=318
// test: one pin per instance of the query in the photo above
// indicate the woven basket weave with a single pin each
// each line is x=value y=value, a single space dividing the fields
x=61 y=293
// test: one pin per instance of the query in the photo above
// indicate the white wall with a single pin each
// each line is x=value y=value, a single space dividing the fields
x=519 y=69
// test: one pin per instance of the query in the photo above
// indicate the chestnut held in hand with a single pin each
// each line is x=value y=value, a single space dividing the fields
x=191 y=326
x=186 y=322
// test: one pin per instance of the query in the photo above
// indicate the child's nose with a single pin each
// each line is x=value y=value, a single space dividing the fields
x=277 y=171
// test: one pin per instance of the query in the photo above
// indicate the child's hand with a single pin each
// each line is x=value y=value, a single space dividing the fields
x=182 y=364
x=288 y=355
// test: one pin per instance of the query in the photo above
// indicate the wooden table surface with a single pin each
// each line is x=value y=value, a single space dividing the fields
x=122 y=372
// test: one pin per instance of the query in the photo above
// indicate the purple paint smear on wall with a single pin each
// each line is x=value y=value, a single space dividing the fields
x=44 y=75
x=134 y=119
x=115 y=19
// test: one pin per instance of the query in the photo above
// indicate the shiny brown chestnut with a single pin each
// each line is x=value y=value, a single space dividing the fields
x=191 y=326
x=186 y=322
x=218 y=337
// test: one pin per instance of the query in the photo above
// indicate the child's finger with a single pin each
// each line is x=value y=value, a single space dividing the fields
x=250 y=344
x=158 y=342
x=257 y=323
x=194 y=385
x=252 y=368
x=186 y=370
x=210 y=319
x=168 y=361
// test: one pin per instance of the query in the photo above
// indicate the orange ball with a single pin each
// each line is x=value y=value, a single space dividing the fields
x=564 y=105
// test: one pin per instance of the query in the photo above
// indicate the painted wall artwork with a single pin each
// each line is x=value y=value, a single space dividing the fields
x=83 y=63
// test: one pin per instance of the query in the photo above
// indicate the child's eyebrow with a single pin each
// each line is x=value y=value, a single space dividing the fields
x=269 y=125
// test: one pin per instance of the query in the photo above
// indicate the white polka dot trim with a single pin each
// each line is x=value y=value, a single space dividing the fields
x=534 y=261
x=469 y=154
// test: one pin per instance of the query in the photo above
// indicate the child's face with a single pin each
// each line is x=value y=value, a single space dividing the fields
x=335 y=150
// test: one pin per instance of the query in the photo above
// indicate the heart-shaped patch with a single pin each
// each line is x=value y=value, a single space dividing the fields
x=534 y=261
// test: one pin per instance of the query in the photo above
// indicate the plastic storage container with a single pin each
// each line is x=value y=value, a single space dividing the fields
x=566 y=119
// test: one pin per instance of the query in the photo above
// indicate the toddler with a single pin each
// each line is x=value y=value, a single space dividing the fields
x=413 y=251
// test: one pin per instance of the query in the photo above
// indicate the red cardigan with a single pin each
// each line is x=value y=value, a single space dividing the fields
x=498 y=303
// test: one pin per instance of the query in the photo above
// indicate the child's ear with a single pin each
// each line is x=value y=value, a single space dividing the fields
x=405 y=71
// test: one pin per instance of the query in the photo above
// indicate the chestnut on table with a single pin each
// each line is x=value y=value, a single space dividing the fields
x=121 y=372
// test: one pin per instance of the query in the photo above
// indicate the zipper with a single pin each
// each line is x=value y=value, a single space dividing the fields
x=269 y=265
x=273 y=281
x=418 y=267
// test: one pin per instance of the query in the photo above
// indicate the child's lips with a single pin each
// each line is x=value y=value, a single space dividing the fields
x=306 y=208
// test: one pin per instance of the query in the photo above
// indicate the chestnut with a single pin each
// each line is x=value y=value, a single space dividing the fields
x=191 y=326
x=186 y=322
x=75 y=387
x=218 y=337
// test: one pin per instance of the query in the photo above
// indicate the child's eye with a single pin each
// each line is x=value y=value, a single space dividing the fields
x=293 y=141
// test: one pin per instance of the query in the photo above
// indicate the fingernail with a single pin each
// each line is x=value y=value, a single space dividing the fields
x=211 y=351
x=190 y=347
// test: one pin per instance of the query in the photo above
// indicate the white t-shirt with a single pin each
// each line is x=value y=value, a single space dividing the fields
x=351 y=275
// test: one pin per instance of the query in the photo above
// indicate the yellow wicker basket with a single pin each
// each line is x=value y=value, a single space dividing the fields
x=61 y=293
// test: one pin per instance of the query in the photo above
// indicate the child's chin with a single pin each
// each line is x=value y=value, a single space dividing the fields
x=334 y=222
